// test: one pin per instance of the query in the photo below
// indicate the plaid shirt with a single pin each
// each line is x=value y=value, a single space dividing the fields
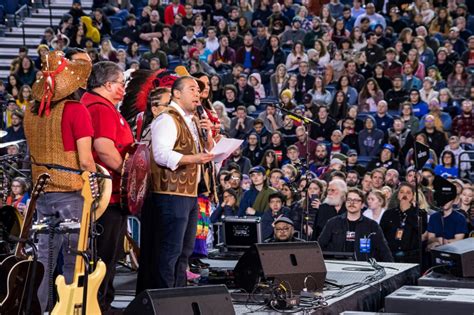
x=464 y=125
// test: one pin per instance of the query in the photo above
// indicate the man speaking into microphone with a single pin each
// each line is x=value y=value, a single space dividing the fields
x=179 y=151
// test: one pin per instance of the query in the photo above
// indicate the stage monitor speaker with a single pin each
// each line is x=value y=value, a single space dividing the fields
x=458 y=258
x=203 y=300
x=430 y=300
x=291 y=262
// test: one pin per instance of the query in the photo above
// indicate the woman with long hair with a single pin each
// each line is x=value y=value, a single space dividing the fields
x=222 y=27
x=339 y=105
x=344 y=85
x=406 y=38
x=323 y=55
x=277 y=145
x=222 y=114
x=339 y=31
x=438 y=81
x=337 y=65
x=320 y=95
x=198 y=26
x=459 y=81
x=25 y=99
x=107 y=52
x=326 y=17
x=441 y=24
x=243 y=26
x=426 y=53
x=383 y=81
x=133 y=53
x=363 y=66
x=296 y=56
x=273 y=55
x=78 y=39
x=278 y=80
x=269 y=161
x=291 y=84
x=413 y=58
x=26 y=72
x=370 y=96
x=401 y=55
x=358 y=39
x=13 y=87
x=216 y=88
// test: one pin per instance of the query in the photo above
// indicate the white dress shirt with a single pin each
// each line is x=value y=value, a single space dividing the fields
x=370 y=214
x=163 y=137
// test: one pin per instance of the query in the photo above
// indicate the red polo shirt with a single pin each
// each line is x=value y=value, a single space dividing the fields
x=109 y=123
x=75 y=124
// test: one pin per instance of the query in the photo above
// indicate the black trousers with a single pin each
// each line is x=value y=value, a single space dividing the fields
x=112 y=226
x=168 y=234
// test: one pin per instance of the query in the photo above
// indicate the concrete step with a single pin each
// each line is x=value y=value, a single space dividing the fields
x=40 y=23
x=11 y=53
x=17 y=32
x=15 y=42
x=4 y=75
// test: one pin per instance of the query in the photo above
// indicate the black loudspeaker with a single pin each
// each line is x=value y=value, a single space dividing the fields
x=458 y=258
x=279 y=262
x=205 y=300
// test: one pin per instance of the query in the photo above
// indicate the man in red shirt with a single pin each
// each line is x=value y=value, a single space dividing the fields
x=59 y=130
x=112 y=140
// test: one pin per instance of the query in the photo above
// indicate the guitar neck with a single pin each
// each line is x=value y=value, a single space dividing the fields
x=83 y=240
x=41 y=183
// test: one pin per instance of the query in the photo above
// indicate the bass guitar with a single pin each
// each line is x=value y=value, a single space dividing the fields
x=71 y=295
x=20 y=275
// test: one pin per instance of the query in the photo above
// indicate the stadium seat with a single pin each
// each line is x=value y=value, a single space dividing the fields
x=116 y=22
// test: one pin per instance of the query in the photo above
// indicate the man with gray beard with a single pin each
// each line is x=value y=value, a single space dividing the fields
x=332 y=206
x=392 y=178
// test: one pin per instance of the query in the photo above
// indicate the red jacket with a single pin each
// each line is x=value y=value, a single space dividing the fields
x=169 y=14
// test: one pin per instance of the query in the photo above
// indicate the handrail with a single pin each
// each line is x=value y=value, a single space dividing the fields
x=469 y=159
x=19 y=19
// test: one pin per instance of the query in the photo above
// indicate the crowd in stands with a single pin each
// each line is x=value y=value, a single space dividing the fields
x=374 y=76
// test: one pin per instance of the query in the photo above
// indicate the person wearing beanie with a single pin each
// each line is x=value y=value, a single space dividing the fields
x=42 y=50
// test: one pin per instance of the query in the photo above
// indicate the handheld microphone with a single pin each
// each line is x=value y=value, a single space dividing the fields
x=202 y=115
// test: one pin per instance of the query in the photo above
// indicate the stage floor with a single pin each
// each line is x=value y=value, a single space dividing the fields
x=366 y=298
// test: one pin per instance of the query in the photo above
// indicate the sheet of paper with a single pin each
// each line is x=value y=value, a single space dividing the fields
x=224 y=148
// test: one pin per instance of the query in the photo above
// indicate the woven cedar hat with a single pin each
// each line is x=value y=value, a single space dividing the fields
x=60 y=78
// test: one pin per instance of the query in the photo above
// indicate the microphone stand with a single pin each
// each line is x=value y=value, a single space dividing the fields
x=308 y=123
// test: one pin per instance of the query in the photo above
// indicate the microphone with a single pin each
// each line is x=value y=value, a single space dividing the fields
x=202 y=115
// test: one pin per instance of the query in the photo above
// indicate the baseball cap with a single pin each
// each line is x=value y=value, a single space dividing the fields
x=389 y=147
x=351 y=152
x=257 y=169
x=283 y=219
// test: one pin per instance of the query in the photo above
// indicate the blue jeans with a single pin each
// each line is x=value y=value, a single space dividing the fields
x=64 y=205
x=177 y=223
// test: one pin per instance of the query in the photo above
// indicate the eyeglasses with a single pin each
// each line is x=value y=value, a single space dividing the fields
x=353 y=200
x=122 y=83
x=286 y=229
